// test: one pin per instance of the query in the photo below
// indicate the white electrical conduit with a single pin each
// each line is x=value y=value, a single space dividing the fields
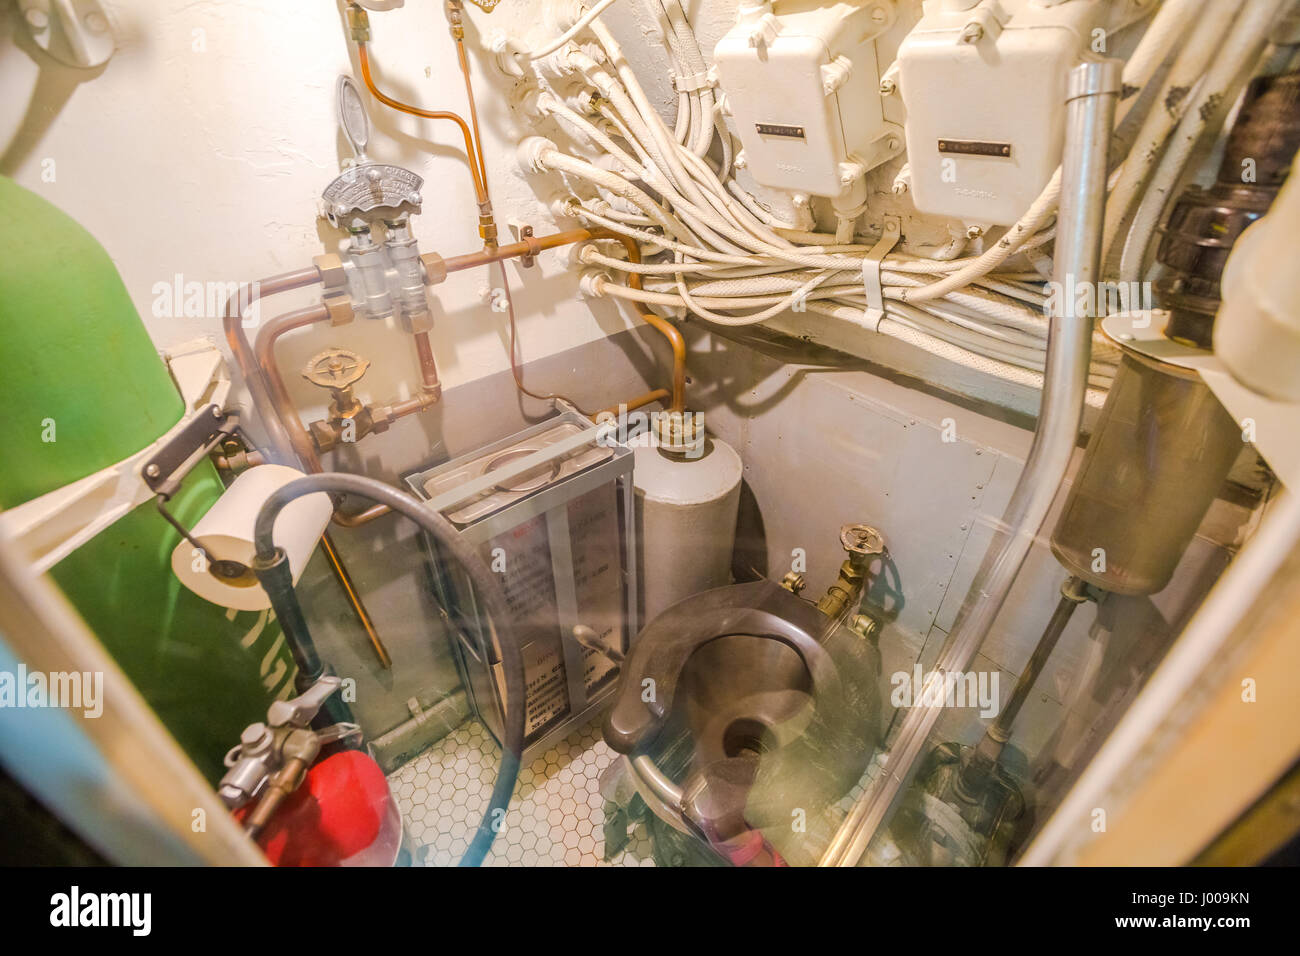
x=667 y=155
x=547 y=157
x=946 y=350
x=1012 y=347
x=694 y=60
x=629 y=115
x=1171 y=102
x=719 y=212
x=1215 y=96
x=550 y=105
x=1009 y=243
x=1164 y=30
x=683 y=37
x=750 y=203
x=800 y=294
x=579 y=25
x=732 y=221
x=644 y=130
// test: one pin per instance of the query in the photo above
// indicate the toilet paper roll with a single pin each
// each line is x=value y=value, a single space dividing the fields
x=226 y=533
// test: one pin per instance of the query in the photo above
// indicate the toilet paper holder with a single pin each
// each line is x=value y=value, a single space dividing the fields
x=178 y=456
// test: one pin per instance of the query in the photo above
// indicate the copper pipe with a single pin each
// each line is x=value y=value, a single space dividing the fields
x=428 y=364
x=471 y=154
x=411 y=405
x=281 y=404
x=658 y=395
x=344 y=520
x=665 y=328
x=455 y=12
x=239 y=460
x=233 y=322
x=514 y=250
x=455 y=20
x=354 y=598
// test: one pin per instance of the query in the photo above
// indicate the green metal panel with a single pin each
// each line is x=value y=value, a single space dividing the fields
x=207 y=672
x=79 y=366
x=77 y=354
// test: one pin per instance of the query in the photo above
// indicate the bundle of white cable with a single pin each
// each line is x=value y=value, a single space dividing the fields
x=729 y=254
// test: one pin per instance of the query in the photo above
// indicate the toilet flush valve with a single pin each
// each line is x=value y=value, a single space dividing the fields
x=861 y=543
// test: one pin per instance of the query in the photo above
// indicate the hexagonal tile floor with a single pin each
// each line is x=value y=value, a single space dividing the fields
x=556 y=817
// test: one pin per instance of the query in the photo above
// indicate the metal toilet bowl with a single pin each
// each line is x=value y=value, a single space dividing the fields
x=781 y=708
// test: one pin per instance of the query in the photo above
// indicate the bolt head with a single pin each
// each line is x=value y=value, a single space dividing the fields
x=153 y=471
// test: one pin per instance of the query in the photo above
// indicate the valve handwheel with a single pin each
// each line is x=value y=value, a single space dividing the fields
x=335 y=368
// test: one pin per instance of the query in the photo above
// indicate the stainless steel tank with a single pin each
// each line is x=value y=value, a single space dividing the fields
x=1161 y=451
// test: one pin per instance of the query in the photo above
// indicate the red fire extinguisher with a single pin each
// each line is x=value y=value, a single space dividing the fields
x=303 y=812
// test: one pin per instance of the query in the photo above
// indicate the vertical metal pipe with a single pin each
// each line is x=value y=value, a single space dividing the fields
x=277 y=580
x=354 y=598
x=280 y=447
x=1072 y=595
x=1090 y=110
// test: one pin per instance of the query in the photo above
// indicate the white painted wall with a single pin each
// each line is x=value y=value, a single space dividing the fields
x=200 y=149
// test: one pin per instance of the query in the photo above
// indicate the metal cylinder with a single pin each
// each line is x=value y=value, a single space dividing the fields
x=1158 y=457
x=686 y=522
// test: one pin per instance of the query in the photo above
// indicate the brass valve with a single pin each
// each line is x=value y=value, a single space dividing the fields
x=861 y=542
x=350 y=419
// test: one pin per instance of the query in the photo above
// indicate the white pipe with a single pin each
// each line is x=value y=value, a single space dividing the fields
x=1214 y=97
x=579 y=25
x=1171 y=102
x=1165 y=28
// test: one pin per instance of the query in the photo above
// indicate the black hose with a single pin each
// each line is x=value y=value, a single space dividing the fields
x=489 y=592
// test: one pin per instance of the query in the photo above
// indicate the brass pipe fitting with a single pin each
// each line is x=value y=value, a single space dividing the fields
x=862 y=543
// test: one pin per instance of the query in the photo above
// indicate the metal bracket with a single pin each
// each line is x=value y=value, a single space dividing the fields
x=164 y=472
x=891 y=232
x=534 y=247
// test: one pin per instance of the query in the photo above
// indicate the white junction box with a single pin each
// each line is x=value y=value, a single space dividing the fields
x=803 y=85
x=984 y=85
